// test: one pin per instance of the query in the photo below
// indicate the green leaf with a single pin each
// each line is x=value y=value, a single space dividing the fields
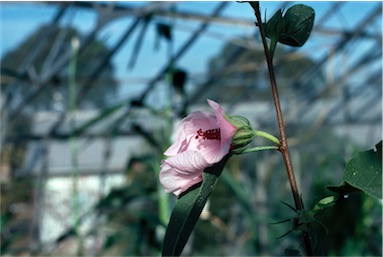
x=364 y=172
x=299 y=21
x=343 y=189
x=187 y=210
x=275 y=26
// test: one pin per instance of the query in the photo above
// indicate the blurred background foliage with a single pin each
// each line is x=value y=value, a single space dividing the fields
x=331 y=113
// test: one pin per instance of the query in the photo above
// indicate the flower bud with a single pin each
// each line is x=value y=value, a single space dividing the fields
x=237 y=121
x=243 y=135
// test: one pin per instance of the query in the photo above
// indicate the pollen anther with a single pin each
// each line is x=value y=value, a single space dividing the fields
x=211 y=134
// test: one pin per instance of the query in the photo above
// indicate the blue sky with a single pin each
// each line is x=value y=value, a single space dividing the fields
x=19 y=20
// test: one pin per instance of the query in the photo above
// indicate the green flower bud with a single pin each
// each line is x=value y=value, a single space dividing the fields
x=242 y=137
x=237 y=121
x=244 y=134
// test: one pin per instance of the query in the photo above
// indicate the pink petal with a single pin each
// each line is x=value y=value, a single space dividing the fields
x=199 y=120
x=179 y=144
x=227 y=129
x=188 y=162
x=180 y=172
x=209 y=149
x=187 y=129
x=176 y=184
x=191 y=154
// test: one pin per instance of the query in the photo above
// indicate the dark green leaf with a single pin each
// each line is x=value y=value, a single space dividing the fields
x=187 y=210
x=275 y=26
x=364 y=172
x=299 y=21
x=343 y=189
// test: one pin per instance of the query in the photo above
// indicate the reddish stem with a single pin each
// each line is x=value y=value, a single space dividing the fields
x=284 y=149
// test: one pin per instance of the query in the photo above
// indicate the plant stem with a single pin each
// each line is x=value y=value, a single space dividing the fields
x=283 y=144
x=73 y=140
x=260 y=148
x=258 y=133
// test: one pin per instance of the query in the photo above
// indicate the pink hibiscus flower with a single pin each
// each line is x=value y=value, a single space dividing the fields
x=203 y=140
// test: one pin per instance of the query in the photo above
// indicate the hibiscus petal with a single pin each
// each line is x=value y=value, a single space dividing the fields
x=179 y=144
x=187 y=129
x=188 y=162
x=209 y=149
x=192 y=151
x=199 y=120
x=227 y=129
x=180 y=172
x=174 y=182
